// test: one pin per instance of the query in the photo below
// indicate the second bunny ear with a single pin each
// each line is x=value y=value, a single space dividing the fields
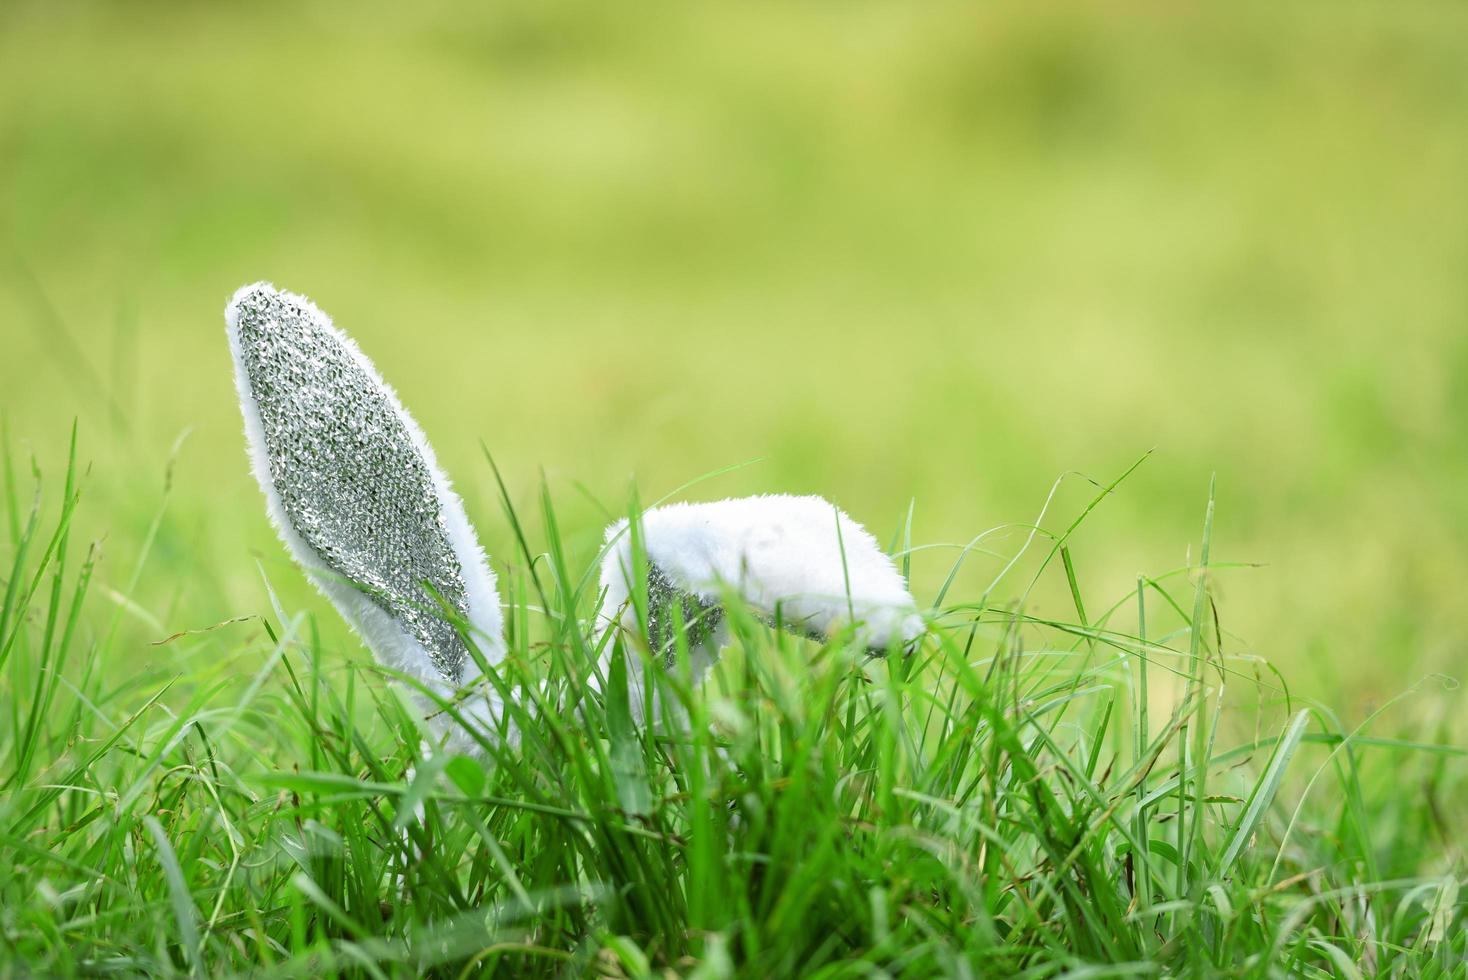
x=355 y=492
x=799 y=560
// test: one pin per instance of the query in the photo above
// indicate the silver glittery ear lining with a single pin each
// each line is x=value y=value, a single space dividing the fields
x=350 y=479
x=701 y=616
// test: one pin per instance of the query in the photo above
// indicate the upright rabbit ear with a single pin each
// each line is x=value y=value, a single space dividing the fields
x=354 y=490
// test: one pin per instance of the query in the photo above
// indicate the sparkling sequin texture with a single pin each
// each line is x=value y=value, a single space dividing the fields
x=352 y=482
x=700 y=616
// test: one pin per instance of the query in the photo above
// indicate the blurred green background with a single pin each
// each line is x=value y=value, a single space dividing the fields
x=934 y=252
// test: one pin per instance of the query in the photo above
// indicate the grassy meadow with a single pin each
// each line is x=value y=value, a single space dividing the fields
x=958 y=269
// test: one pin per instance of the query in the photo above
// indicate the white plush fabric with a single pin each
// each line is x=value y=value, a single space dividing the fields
x=390 y=643
x=777 y=553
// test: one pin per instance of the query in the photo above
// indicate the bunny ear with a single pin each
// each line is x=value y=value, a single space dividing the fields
x=800 y=560
x=355 y=492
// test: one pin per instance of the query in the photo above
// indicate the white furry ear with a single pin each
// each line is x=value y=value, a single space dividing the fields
x=353 y=488
x=800 y=560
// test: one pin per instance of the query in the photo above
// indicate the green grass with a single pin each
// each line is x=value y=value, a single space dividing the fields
x=1115 y=793
x=919 y=260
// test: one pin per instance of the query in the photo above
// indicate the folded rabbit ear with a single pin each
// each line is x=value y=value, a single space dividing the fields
x=800 y=560
x=355 y=492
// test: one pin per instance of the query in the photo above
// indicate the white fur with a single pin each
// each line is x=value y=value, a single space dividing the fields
x=780 y=554
x=389 y=642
